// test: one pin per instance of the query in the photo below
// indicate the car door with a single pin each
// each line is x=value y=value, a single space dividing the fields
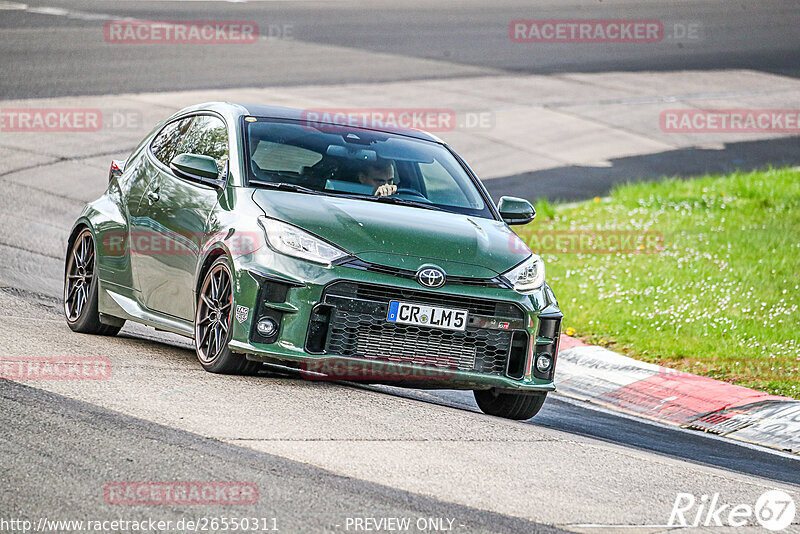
x=143 y=236
x=175 y=214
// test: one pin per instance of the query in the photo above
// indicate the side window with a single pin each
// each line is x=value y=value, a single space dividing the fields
x=167 y=144
x=207 y=135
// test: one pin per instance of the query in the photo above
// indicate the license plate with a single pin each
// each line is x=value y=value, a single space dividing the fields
x=422 y=315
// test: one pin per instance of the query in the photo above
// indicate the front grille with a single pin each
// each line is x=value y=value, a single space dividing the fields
x=475 y=306
x=355 y=316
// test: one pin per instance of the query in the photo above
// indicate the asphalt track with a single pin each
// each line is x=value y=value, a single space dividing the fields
x=94 y=443
x=51 y=48
x=445 y=39
x=321 y=452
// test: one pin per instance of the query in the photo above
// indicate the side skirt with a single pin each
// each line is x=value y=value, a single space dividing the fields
x=115 y=305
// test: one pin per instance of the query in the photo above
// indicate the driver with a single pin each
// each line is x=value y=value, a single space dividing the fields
x=379 y=175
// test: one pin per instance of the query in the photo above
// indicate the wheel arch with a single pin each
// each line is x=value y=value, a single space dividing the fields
x=80 y=225
x=216 y=252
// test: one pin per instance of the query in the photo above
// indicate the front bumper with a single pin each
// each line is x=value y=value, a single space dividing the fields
x=332 y=327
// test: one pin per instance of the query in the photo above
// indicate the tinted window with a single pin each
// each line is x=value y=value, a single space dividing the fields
x=359 y=163
x=201 y=134
x=167 y=144
x=208 y=136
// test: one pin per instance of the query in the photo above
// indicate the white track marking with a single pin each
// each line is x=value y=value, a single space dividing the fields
x=61 y=12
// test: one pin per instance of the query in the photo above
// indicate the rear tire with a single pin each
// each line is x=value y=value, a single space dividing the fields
x=80 y=288
x=213 y=324
x=509 y=405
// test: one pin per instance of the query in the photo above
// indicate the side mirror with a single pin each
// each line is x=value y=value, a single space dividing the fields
x=515 y=210
x=197 y=168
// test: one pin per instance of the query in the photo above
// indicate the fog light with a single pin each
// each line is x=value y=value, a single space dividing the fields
x=543 y=362
x=267 y=327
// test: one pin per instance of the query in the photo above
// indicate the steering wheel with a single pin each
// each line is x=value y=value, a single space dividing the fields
x=412 y=192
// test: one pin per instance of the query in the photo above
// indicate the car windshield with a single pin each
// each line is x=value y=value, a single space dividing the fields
x=366 y=164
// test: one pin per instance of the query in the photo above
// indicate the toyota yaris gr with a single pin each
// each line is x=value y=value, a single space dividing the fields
x=357 y=253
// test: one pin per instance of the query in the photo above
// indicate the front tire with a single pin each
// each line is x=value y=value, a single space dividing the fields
x=509 y=405
x=213 y=324
x=80 y=288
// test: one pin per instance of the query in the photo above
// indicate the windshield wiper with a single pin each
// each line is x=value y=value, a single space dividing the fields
x=404 y=202
x=283 y=186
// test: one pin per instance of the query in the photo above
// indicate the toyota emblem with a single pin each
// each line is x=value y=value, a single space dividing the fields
x=432 y=277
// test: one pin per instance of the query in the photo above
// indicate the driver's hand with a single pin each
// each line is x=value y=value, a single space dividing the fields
x=385 y=190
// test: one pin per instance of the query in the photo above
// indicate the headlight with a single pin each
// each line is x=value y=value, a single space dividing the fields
x=528 y=275
x=293 y=241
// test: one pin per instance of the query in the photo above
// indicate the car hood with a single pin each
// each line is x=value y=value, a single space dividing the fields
x=400 y=236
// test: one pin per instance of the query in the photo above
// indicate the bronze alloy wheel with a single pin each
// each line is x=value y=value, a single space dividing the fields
x=81 y=289
x=79 y=277
x=214 y=312
x=214 y=323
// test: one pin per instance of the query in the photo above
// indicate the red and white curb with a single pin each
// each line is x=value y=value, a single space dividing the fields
x=610 y=379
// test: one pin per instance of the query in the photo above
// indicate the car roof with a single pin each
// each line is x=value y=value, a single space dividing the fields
x=279 y=112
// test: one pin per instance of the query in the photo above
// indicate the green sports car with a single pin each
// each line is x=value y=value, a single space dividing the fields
x=357 y=253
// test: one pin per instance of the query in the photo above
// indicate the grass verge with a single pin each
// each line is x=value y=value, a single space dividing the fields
x=700 y=275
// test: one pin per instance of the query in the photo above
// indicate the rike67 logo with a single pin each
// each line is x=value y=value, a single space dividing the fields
x=775 y=510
